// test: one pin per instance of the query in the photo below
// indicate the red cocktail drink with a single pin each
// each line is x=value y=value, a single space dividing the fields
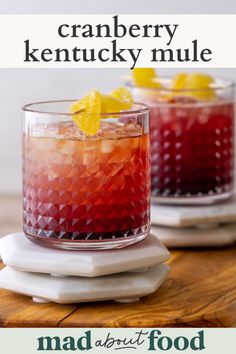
x=86 y=192
x=192 y=147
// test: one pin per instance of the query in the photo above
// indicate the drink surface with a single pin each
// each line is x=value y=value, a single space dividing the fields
x=86 y=189
x=192 y=148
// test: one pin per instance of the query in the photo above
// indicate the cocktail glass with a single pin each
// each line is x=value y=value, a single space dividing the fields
x=85 y=192
x=192 y=143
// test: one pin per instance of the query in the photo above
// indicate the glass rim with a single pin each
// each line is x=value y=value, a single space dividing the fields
x=228 y=83
x=29 y=108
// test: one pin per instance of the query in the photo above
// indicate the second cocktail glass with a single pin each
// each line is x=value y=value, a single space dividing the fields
x=85 y=192
x=192 y=142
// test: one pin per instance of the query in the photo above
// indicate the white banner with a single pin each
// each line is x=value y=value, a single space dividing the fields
x=126 y=340
x=128 y=41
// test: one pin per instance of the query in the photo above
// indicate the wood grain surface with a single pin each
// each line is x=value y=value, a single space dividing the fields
x=200 y=291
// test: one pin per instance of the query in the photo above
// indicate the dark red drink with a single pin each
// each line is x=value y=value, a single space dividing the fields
x=192 y=148
x=192 y=135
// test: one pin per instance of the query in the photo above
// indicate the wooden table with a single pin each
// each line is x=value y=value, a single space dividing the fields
x=200 y=291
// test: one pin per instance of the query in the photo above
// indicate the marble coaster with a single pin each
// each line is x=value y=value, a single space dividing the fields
x=182 y=216
x=210 y=235
x=0 y=249
x=123 y=287
x=21 y=254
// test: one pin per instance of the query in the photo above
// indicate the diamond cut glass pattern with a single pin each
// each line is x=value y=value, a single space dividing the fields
x=192 y=144
x=80 y=191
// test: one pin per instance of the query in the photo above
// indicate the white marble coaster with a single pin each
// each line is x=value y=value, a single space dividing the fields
x=181 y=216
x=207 y=236
x=124 y=286
x=0 y=250
x=21 y=254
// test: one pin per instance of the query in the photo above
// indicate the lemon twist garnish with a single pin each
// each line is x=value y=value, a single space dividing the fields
x=111 y=104
x=178 y=81
x=87 y=111
x=196 y=85
x=123 y=95
x=145 y=77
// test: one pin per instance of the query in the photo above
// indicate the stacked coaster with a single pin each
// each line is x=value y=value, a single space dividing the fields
x=61 y=276
x=195 y=226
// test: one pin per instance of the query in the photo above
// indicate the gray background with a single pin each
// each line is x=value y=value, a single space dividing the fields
x=18 y=86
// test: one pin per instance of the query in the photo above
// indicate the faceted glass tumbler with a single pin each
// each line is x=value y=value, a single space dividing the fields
x=192 y=142
x=84 y=192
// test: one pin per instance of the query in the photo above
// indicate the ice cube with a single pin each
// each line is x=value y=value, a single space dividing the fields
x=107 y=146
